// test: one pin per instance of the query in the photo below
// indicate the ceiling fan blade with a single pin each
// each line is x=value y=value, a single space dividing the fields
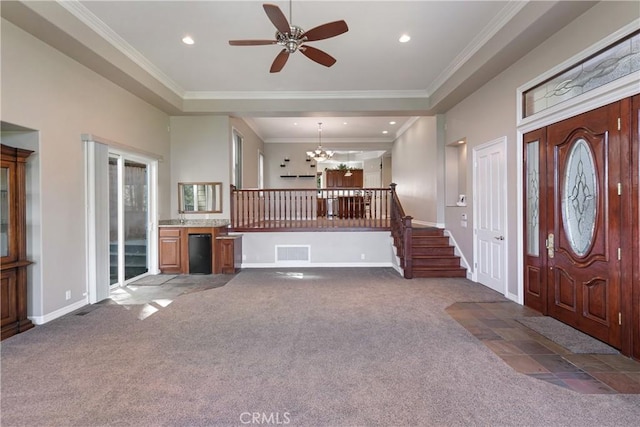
x=279 y=62
x=326 y=31
x=317 y=55
x=251 y=42
x=277 y=18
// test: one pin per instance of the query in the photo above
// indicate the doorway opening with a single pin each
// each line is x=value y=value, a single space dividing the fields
x=122 y=194
x=128 y=219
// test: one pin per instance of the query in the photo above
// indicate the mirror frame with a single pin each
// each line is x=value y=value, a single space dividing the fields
x=217 y=202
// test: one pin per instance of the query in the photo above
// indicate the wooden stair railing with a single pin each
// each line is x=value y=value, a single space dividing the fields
x=423 y=251
x=401 y=231
x=343 y=209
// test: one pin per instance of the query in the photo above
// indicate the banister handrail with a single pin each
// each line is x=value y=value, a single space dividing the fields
x=310 y=209
x=402 y=232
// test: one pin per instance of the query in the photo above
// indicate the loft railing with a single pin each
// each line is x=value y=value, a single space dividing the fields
x=344 y=209
x=402 y=232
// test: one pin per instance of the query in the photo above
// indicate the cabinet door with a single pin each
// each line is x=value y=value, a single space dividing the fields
x=9 y=297
x=227 y=256
x=357 y=178
x=170 y=243
x=8 y=202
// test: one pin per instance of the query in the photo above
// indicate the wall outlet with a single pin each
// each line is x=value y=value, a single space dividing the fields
x=67 y=295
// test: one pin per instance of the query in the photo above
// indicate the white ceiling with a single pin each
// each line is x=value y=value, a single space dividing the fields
x=369 y=56
x=455 y=47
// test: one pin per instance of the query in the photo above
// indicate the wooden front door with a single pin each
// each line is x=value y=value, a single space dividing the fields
x=583 y=222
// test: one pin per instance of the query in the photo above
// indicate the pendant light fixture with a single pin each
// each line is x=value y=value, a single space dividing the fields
x=348 y=168
x=319 y=154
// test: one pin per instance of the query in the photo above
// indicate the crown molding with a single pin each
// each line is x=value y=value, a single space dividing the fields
x=87 y=17
x=362 y=94
x=497 y=23
x=406 y=126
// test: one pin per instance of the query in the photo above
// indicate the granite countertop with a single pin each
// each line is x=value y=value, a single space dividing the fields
x=193 y=223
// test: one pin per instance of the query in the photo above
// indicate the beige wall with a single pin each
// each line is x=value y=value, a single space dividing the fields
x=252 y=146
x=200 y=152
x=415 y=168
x=365 y=249
x=490 y=113
x=44 y=90
x=297 y=165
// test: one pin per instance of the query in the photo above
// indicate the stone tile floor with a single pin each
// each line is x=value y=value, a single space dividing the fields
x=151 y=294
x=528 y=352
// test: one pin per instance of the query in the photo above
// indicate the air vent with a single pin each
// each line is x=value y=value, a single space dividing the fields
x=293 y=254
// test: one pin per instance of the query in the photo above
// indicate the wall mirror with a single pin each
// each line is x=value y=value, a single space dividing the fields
x=199 y=197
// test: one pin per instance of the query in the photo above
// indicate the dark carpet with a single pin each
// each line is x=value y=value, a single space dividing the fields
x=307 y=347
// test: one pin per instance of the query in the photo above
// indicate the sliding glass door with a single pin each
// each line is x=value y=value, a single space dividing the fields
x=128 y=218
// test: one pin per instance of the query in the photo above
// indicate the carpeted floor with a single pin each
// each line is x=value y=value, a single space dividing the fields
x=307 y=347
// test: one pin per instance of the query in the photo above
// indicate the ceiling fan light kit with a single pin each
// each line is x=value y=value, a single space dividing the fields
x=293 y=38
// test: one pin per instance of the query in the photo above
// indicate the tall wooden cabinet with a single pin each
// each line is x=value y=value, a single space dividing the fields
x=337 y=179
x=13 y=242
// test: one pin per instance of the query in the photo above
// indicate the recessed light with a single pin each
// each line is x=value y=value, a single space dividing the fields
x=385 y=132
x=461 y=141
x=188 y=40
x=344 y=123
x=404 y=38
x=392 y=123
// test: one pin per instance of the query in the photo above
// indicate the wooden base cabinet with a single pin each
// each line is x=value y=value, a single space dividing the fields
x=13 y=243
x=173 y=247
x=230 y=253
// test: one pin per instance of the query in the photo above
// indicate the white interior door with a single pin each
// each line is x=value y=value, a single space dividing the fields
x=372 y=180
x=490 y=182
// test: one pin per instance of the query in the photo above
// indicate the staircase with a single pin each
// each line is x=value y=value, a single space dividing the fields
x=432 y=255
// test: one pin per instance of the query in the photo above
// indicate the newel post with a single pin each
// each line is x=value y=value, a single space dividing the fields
x=408 y=252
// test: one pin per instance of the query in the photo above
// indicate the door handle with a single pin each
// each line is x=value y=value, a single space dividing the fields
x=499 y=238
x=550 y=245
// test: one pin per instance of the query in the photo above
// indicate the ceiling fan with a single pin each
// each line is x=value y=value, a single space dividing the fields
x=292 y=38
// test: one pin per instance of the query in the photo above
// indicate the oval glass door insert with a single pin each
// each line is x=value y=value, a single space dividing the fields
x=579 y=197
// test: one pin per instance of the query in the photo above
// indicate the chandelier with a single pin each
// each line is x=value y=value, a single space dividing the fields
x=319 y=154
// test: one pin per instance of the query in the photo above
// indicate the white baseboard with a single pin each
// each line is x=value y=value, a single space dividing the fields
x=311 y=265
x=41 y=320
x=427 y=223
x=513 y=297
x=459 y=253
